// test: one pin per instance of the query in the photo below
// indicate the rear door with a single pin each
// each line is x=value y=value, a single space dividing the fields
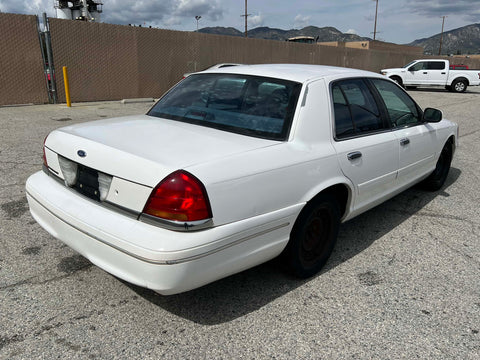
x=367 y=150
x=437 y=72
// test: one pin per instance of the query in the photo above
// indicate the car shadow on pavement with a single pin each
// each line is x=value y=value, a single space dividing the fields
x=250 y=290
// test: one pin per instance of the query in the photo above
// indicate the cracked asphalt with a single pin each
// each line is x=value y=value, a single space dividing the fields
x=402 y=283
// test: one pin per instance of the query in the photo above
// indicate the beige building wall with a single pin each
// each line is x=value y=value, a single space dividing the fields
x=376 y=45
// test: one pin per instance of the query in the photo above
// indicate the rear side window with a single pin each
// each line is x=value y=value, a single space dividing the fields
x=355 y=109
x=436 y=65
x=248 y=105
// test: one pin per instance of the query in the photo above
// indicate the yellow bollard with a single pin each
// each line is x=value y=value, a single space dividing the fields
x=67 y=88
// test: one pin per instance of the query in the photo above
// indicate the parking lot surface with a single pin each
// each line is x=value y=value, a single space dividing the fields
x=402 y=283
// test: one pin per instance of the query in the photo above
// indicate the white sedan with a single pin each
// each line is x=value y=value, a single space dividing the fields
x=233 y=167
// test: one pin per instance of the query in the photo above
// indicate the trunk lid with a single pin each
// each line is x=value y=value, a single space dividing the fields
x=145 y=149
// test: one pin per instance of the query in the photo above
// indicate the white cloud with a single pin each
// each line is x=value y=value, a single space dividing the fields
x=352 y=31
x=255 y=20
x=36 y=7
x=301 y=21
x=154 y=12
x=211 y=9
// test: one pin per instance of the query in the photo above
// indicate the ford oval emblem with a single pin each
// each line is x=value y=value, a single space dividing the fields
x=81 y=153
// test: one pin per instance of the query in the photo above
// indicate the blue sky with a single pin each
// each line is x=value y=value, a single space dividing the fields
x=399 y=21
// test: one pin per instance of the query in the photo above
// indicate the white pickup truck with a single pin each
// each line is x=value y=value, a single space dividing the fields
x=433 y=72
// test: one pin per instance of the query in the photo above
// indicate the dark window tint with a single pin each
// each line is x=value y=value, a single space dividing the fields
x=249 y=105
x=436 y=65
x=401 y=109
x=355 y=109
x=343 y=118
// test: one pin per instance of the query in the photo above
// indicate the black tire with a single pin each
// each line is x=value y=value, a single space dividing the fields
x=437 y=178
x=459 y=85
x=313 y=236
x=398 y=80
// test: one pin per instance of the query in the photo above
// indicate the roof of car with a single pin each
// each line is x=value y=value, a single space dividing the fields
x=293 y=72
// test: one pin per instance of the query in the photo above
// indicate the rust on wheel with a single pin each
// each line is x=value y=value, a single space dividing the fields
x=316 y=235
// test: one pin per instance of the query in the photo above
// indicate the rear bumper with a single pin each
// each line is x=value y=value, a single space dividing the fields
x=163 y=260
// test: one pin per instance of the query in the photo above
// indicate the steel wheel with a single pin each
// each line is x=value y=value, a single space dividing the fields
x=313 y=242
x=313 y=236
x=437 y=178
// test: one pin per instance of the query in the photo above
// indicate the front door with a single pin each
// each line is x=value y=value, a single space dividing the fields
x=417 y=74
x=416 y=139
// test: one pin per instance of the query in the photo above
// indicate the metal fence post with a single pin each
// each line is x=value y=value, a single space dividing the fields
x=48 y=45
x=44 y=58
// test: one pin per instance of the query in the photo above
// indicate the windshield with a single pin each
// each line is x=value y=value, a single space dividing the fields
x=410 y=63
x=249 y=105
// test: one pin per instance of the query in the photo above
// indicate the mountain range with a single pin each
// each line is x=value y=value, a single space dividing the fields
x=324 y=34
x=464 y=40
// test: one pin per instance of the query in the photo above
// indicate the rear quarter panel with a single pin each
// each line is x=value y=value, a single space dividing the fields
x=280 y=176
x=473 y=76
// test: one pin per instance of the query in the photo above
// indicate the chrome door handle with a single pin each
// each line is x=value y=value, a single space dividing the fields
x=354 y=155
x=405 y=141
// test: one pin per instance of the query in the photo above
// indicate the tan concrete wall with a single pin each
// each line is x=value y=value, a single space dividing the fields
x=108 y=62
x=21 y=67
x=467 y=57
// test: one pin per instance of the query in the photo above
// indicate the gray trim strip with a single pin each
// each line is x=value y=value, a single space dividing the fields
x=165 y=262
x=181 y=226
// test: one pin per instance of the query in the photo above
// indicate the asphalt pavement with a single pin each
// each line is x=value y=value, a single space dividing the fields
x=402 y=283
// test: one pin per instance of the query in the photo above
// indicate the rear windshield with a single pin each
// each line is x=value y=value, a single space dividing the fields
x=249 y=105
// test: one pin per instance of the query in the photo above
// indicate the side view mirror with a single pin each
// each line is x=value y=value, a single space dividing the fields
x=412 y=68
x=432 y=115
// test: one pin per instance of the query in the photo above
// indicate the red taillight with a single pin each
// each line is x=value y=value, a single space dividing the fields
x=179 y=197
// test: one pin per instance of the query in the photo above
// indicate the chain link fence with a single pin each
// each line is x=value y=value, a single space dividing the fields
x=112 y=62
x=22 y=75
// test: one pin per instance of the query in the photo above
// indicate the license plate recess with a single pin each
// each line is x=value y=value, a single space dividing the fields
x=87 y=182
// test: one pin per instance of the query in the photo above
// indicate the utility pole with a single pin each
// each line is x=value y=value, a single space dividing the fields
x=441 y=36
x=197 y=17
x=375 y=26
x=246 y=16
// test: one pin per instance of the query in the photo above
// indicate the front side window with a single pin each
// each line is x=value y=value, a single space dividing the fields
x=248 y=105
x=418 y=66
x=401 y=108
x=410 y=63
x=355 y=109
